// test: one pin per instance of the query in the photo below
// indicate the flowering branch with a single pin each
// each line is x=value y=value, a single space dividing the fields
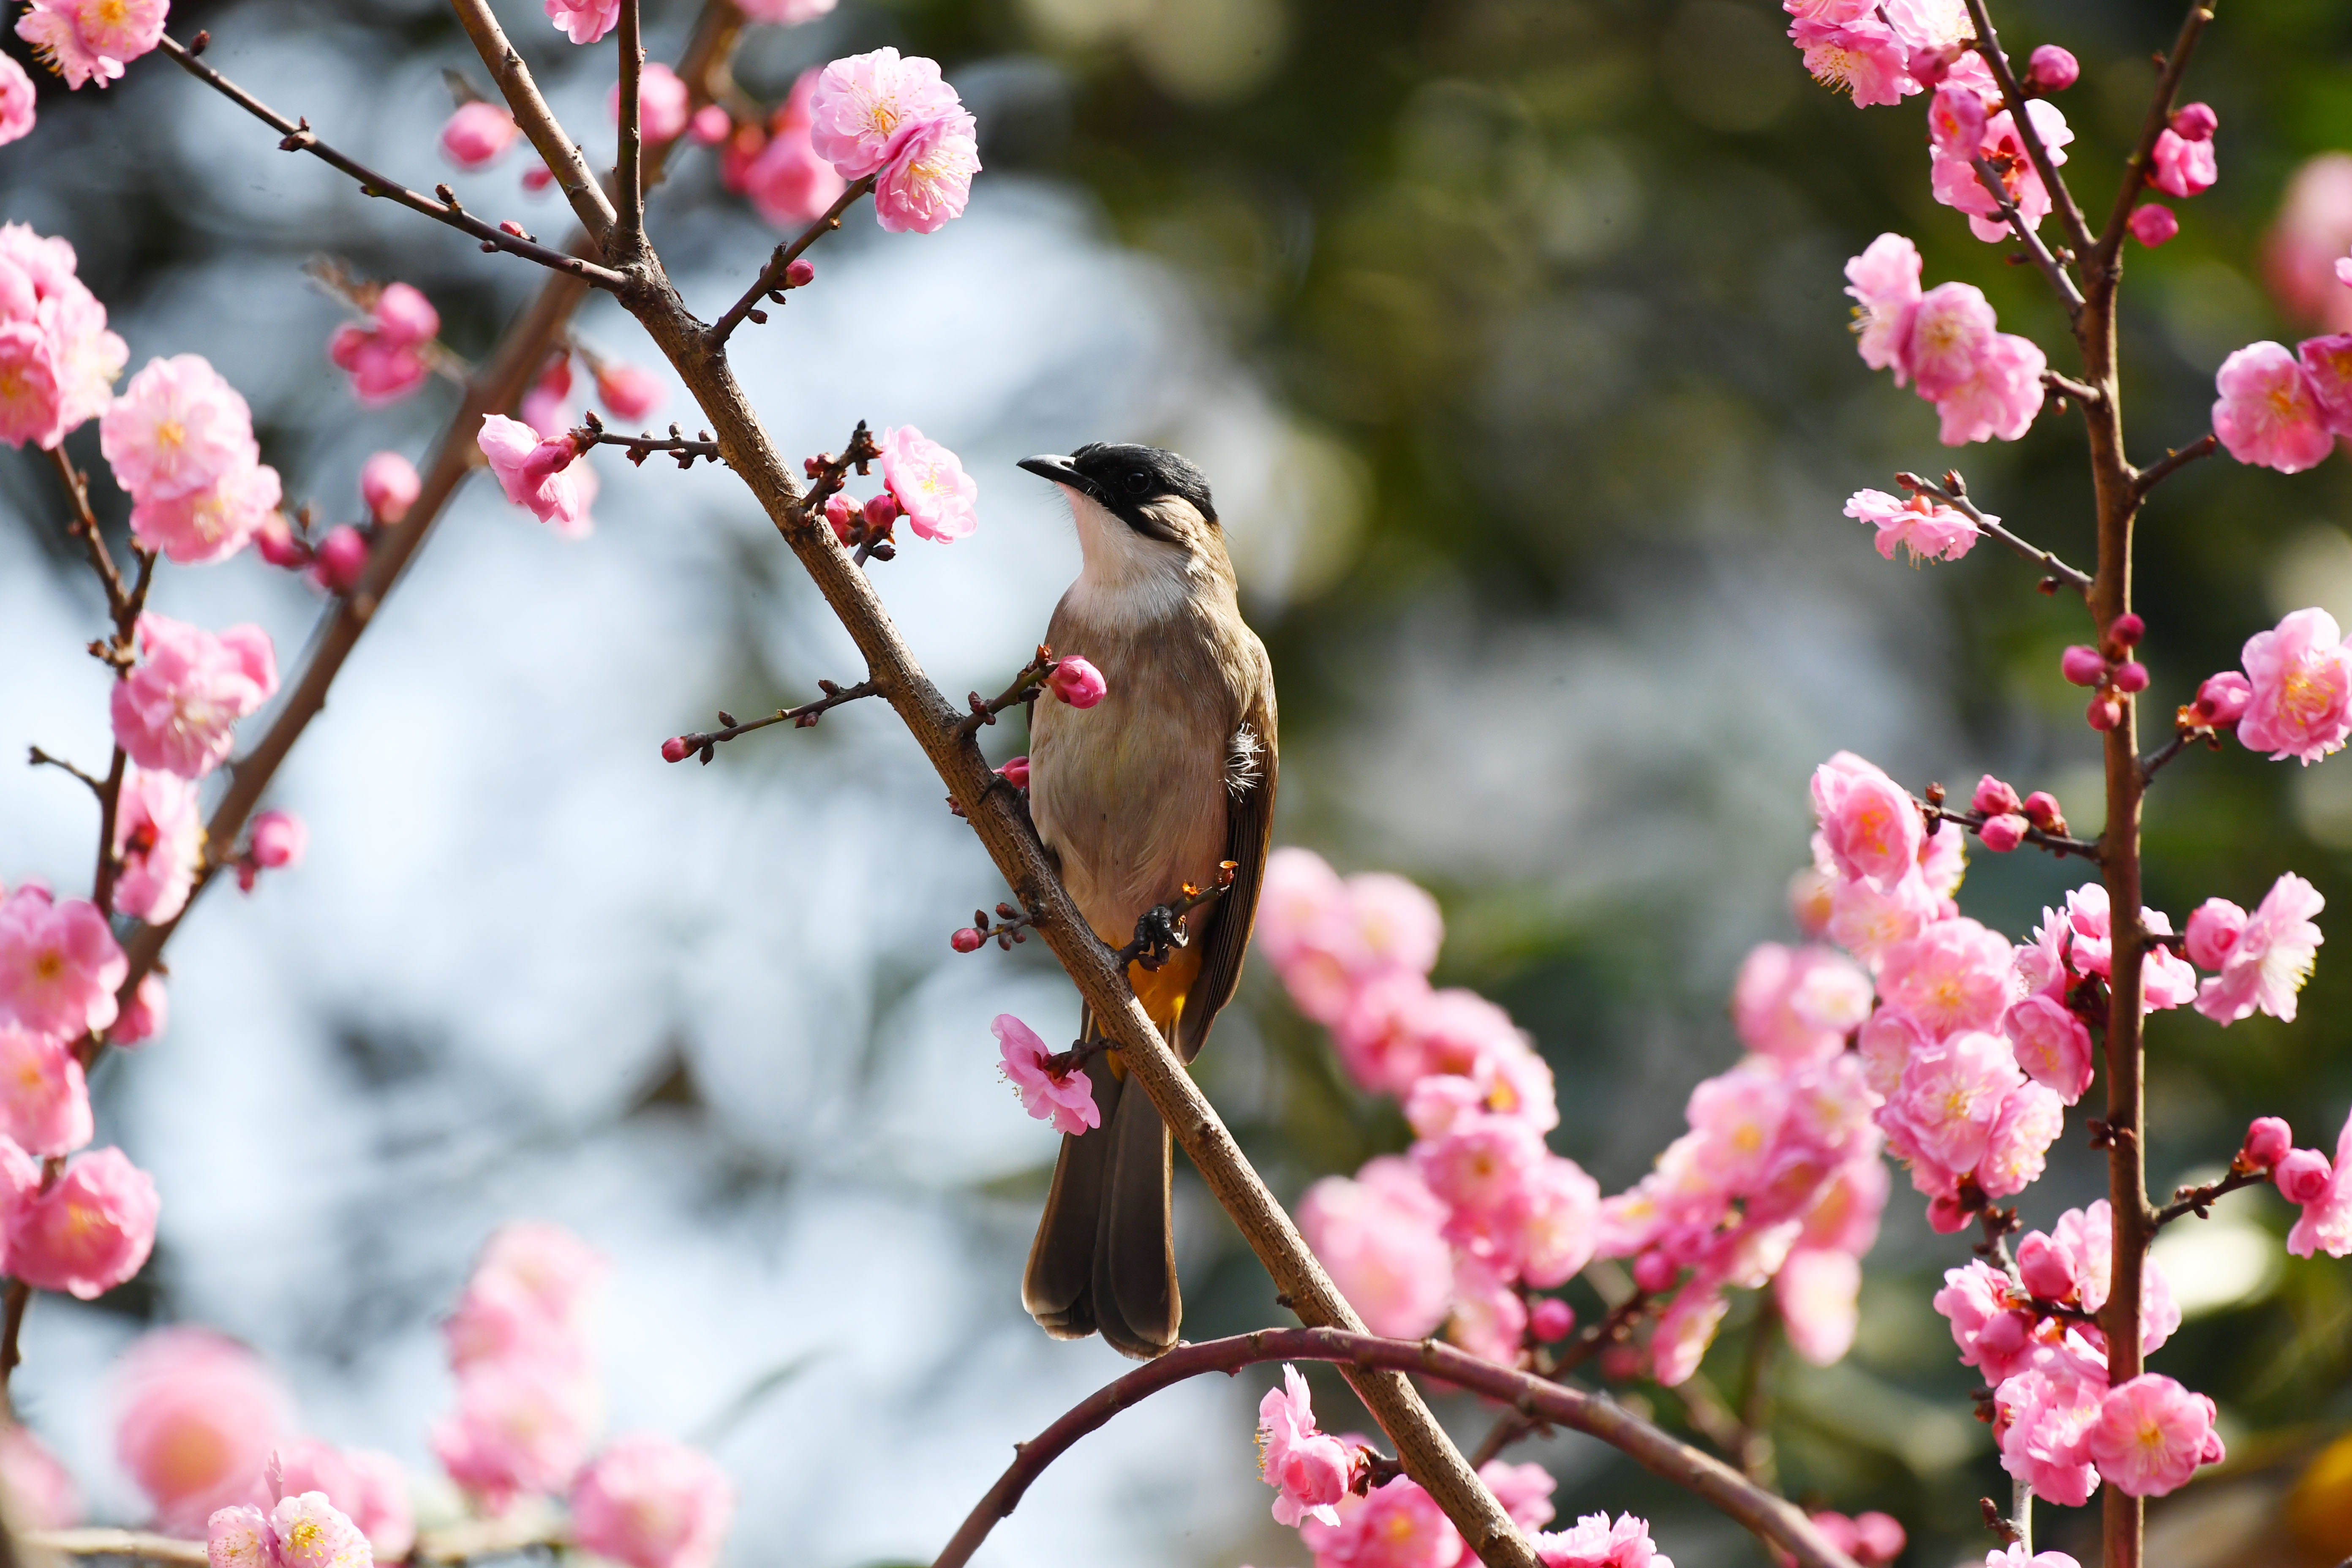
x=2104 y=260
x=1954 y=492
x=2070 y=216
x=531 y=114
x=592 y=433
x=2174 y=460
x=777 y=276
x=2052 y=268
x=679 y=747
x=1769 y=1518
x=299 y=138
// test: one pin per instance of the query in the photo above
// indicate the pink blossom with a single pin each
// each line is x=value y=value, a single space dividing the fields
x=929 y=181
x=664 y=103
x=1951 y=333
x=2051 y=1046
x=2151 y=1435
x=2030 y=1120
x=158 y=840
x=366 y=1485
x=2043 y=1418
x=1818 y=1292
x=1863 y=58
x=2181 y=167
x=41 y=1494
x=521 y=1428
x=2267 y=413
x=213 y=523
x=1949 y=1097
x=1076 y=682
x=2270 y=959
x=2327 y=1222
x=2000 y=399
x=60 y=965
x=89 y=1231
x=865 y=108
x=1800 y=1004
x=17 y=102
x=1067 y=1101
x=44 y=1101
x=1394 y=1526
x=2153 y=222
x=630 y=392
x=177 y=710
x=1597 y=1543
x=1952 y=976
x=653 y=1503
x=1380 y=1236
x=1885 y=282
x=2307 y=240
x=2300 y=675
x=536 y=474
x=1924 y=528
x=786 y=12
x=91 y=40
x=389 y=486
x=1308 y=1468
x=476 y=133
x=176 y=429
x=583 y=21
x=146 y=1018
x=930 y=485
x=1868 y=823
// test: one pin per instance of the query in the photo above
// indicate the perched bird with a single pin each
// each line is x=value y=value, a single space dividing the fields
x=1171 y=774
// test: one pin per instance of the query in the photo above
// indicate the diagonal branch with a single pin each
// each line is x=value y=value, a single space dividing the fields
x=2070 y=216
x=2159 y=112
x=1772 y=1519
x=564 y=159
x=300 y=138
x=771 y=280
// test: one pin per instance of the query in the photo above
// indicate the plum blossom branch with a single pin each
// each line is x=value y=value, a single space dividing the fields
x=298 y=137
x=1769 y=1518
x=1954 y=492
x=2159 y=112
x=2199 y=1201
x=1988 y=44
x=568 y=164
x=2052 y=268
x=804 y=717
x=2173 y=461
x=639 y=447
x=777 y=276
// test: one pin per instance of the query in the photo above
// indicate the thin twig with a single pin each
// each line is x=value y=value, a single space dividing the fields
x=589 y=203
x=299 y=138
x=771 y=280
x=1954 y=492
x=627 y=187
x=2159 y=112
x=2199 y=1201
x=2173 y=461
x=1770 y=1517
x=1989 y=178
x=803 y=717
x=2070 y=216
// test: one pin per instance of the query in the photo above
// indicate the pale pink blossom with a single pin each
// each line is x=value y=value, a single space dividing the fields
x=2307 y=241
x=1952 y=330
x=2327 y=370
x=2043 y=1420
x=1818 y=1292
x=2300 y=676
x=2267 y=413
x=17 y=102
x=2151 y=1435
x=521 y=1428
x=1923 y=529
x=1863 y=58
x=213 y=523
x=2181 y=167
x=937 y=497
x=2001 y=399
x=651 y=1503
x=389 y=486
x=2051 y=1046
x=1309 y=1469
x=89 y=1231
x=1868 y=823
x=865 y=107
x=59 y=963
x=786 y=12
x=2030 y=1120
x=177 y=710
x=2153 y=222
x=1884 y=283
x=146 y=1018
x=540 y=474
x=1950 y=1096
x=91 y=40
x=176 y=429
x=1952 y=976
x=1394 y=1526
x=1078 y=682
x=44 y=1101
x=478 y=132
x=40 y=1491
x=929 y=181
x=2325 y=1225
x=583 y=21
x=630 y=392
x=159 y=836
x=1380 y=1236
x=365 y=1485
x=1067 y=1101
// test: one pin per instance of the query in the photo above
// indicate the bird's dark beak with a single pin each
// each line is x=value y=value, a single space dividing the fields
x=1060 y=471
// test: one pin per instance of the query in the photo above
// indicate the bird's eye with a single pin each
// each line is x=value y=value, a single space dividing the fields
x=1138 y=481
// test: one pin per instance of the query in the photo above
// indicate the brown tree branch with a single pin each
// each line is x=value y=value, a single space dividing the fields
x=565 y=160
x=2106 y=257
x=1770 y=1517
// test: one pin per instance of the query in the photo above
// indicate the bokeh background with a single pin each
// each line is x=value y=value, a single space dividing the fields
x=1510 y=332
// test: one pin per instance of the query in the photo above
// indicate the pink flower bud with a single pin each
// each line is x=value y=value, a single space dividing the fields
x=2223 y=699
x=477 y=134
x=2196 y=121
x=537 y=178
x=2083 y=666
x=2051 y=68
x=2131 y=676
x=1077 y=683
x=2152 y=223
x=2302 y=1176
x=1551 y=1320
x=2213 y=932
x=968 y=940
x=1993 y=797
x=279 y=546
x=278 y=839
x=342 y=556
x=800 y=273
x=2003 y=833
x=389 y=485
x=2125 y=630
x=2047 y=1269
x=2041 y=810
x=1016 y=772
x=404 y=317
x=712 y=124
x=2104 y=712
x=629 y=392
x=1655 y=1273
x=881 y=511
x=2268 y=1141
x=675 y=749
x=840 y=510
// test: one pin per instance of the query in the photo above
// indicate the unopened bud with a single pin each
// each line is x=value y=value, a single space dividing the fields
x=800 y=273
x=342 y=556
x=1993 y=797
x=2268 y=1141
x=2051 y=68
x=968 y=940
x=2125 y=630
x=675 y=749
x=2047 y=1269
x=2003 y=833
x=2131 y=676
x=1550 y=1318
x=2302 y=1176
x=2041 y=810
x=2194 y=122
x=2083 y=666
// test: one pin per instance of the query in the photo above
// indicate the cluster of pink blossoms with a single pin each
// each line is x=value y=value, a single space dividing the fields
x=57 y=360
x=1984 y=382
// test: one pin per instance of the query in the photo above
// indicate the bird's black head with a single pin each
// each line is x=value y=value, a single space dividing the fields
x=1132 y=483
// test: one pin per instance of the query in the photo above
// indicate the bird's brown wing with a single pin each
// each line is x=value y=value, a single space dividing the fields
x=1249 y=830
